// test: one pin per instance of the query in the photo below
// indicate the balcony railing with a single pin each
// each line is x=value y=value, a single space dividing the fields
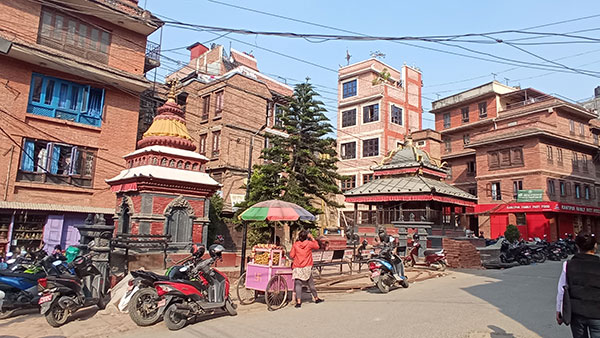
x=152 y=56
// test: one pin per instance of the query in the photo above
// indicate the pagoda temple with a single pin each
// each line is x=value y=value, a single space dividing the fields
x=165 y=189
x=409 y=188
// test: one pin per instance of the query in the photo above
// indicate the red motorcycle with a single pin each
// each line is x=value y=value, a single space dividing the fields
x=207 y=291
x=436 y=259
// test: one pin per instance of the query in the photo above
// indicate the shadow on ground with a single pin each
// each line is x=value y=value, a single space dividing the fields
x=527 y=294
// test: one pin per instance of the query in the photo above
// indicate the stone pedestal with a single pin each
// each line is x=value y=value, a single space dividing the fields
x=95 y=229
x=423 y=230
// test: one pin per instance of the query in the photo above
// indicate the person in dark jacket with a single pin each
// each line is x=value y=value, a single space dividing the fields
x=582 y=274
x=301 y=253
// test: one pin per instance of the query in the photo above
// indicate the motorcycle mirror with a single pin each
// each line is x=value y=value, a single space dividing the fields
x=11 y=261
x=183 y=269
x=57 y=263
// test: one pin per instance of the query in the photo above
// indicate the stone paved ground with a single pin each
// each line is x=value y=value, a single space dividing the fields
x=93 y=323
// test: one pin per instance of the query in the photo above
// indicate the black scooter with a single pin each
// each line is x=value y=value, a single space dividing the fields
x=514 y=253
x=64 y=294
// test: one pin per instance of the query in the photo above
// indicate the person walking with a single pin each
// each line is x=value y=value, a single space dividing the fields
x=302 y=265
x=582 y=276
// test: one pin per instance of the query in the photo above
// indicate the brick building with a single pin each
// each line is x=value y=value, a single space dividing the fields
x=227 y=101
x=72 y=72
x=530 y=158
x=377 y=106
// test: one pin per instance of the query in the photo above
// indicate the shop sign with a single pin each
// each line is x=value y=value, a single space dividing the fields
x=546 y=206
x=532 y=195
x=579 y=209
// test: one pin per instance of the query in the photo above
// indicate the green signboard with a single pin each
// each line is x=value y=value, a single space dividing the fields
x=532 y=195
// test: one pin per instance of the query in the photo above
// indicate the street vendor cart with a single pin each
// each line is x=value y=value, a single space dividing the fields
x=269 y=272
x=266 y=274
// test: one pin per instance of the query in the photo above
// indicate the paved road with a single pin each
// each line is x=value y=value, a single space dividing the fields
x=517 y=302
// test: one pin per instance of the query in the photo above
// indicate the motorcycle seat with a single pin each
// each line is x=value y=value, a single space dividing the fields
x=29 y=276
x=149 y=274
x=433 y=252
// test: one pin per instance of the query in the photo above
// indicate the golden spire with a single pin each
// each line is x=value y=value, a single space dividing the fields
x=172 y=95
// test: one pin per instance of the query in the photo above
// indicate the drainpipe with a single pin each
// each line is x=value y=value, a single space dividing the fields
x=12 y=150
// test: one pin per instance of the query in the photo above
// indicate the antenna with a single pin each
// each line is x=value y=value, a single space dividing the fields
x=494 y=74
x=506 y=79
x=348 y=56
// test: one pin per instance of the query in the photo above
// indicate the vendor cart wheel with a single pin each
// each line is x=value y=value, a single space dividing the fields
x=276 y=293
x=245 y=296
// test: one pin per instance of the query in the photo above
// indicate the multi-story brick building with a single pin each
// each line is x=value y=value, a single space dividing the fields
x=377 y=106
x=228 y=101
x=529 y=156
x=72 y=72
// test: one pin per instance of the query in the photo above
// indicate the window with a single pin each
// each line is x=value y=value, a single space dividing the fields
x=348 y=150
x=349 y=118
x=595 y=139
x=586 y=192
x=278 y=114
x=447 y=120
x=349 y=89
x=517 y=185
x=551 y=188
x=368 y=178
x=465 y=114
x=466 y=139
x=584 y=162
x=202 y=147
x=447 y=145
x=396 y=115
x=549 y=153
x=215 y=143
x=371 y=147
x=575 y=161
x=572 y=126
x=512 y=157
x=65 y=100
x=483 y=109
x=496 y=193
x=516 y=156
x=219 y=102
x=471 y=168
x=371 y=113
x=56 y=163
x=521 y=218
x=563 y=188
x=349 y=183
x=559 y=156
x=73 y=36
x=494 y=159
x=473 y=191
x=581 y=129
x=577 y=190
x=205 y=107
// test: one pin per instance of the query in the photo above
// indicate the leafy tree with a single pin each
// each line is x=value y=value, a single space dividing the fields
x=301 y=167
x=512 y=233
x=214 y=215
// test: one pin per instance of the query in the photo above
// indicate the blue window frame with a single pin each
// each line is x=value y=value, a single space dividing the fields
x=65 y=100
x=349 y=89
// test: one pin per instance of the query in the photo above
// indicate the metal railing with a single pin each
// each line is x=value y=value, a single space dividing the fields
x=153 y=50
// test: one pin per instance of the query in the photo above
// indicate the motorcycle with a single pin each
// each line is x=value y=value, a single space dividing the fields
x=514 y=253
x=64 y=294
x=387 y=269
x=206 y=292
x=434 y=258
x=141 y=293
x=570 y=244
x=18 y=284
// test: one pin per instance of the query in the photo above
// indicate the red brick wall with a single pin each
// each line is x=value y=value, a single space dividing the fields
x=461 y=254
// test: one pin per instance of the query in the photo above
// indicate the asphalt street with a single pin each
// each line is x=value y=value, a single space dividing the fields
x=517 y=302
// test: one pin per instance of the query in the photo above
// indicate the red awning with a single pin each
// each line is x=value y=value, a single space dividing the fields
x=421 y=197
x=124 y=187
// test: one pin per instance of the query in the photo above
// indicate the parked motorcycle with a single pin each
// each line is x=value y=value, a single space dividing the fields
x=436 y=259
x=64 y=294
x=141 y=294
x=570 y=244
x=207 y=291
x=514 y=253
x=387 y=269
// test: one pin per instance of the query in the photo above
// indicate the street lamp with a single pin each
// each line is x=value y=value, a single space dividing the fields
x=245 y=224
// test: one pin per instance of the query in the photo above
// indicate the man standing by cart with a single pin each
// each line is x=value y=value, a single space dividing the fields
x=302 y=266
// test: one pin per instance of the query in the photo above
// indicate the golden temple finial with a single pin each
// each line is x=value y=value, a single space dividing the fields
x=172 y=95
x=408 y=138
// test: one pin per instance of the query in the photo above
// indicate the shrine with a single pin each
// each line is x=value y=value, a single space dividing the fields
x=409 y=192
x=165 y=190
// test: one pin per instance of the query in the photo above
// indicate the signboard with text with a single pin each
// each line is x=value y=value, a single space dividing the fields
x=531 y=195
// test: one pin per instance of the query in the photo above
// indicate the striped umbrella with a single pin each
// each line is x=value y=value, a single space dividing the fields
x=276 y=210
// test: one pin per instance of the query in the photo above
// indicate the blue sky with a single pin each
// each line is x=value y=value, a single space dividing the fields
x=396 y=18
